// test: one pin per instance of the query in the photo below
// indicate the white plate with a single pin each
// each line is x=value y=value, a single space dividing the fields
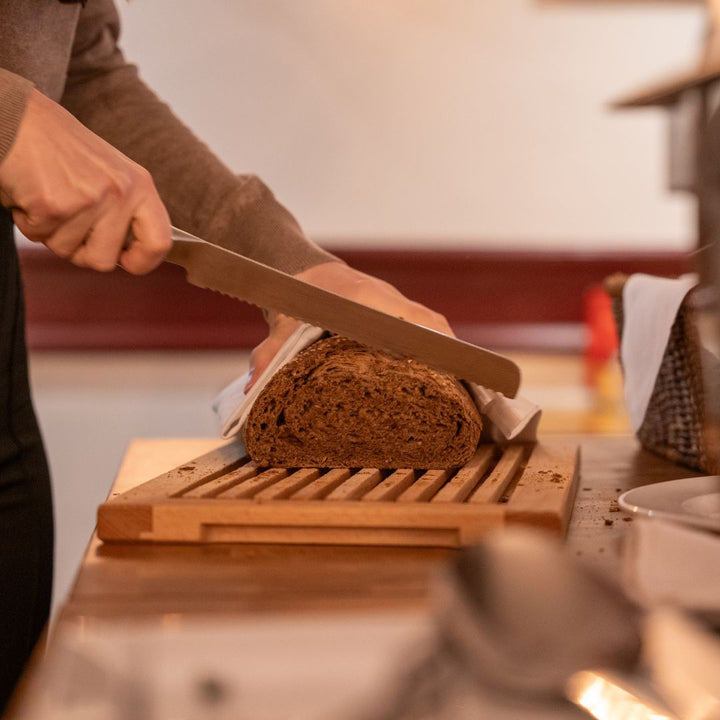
x=693 y=501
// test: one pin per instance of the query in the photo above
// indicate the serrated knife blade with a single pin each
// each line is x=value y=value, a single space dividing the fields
x=216 y=268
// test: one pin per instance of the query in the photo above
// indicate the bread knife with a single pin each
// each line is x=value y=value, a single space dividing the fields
x=217 y=268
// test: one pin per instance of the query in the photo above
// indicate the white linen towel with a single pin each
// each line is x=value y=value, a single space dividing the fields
x=650 y=305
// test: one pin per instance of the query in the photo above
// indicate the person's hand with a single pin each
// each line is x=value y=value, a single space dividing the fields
x=350 y=283
x=81 y=197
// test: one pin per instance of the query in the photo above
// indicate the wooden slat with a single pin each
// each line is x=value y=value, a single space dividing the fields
x=425 y=487
x=287 y=486
x=253 y=485
x=351 y=521
x=391 y=486
x=325 y=484
x=545 y=491
x=220 y=484
x=501 y=476
x=187 y=476
x=466 y=479
x=356 y=485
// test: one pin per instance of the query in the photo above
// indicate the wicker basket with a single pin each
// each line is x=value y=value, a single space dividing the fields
x=675 y=418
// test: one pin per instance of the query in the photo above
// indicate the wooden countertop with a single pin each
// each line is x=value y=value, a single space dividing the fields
x=120 y=582
x=121 y=579
x=118 y=579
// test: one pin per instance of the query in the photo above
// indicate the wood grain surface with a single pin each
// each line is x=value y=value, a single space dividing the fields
x=223 y=496
x=130 y=579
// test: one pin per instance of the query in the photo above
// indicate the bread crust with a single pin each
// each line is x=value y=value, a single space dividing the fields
x=342 y=404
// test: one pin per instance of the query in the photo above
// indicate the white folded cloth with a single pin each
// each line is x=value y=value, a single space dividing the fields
x=650 y=305
x=666 y=563
x=232 y=405
x=511 y=419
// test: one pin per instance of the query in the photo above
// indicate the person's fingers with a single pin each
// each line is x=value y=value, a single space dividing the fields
x=383 y=296
x=260 y=358
x=132 y=228
x=421 y=315
x=102 y=245
x=76 y=193
x=281 y=328
x=70 y=236
x=373 y=292
x=98 y=238
x=151 y=237
x=100 y=248
x=39 y=222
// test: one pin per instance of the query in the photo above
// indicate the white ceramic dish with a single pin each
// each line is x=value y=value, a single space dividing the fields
x=692 y=501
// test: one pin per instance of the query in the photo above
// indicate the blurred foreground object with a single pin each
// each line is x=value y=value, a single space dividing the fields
x=683 y=657
x=516 y=617
x=608 y=697
x=522 y=630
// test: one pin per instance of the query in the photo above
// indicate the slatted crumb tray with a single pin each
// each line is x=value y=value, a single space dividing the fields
x=223 y=496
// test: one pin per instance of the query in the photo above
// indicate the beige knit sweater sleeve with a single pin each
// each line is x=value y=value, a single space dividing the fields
x=13 y=98
x=202 y=195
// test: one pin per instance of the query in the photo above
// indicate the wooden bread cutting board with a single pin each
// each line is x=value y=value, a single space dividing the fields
x=223 y=496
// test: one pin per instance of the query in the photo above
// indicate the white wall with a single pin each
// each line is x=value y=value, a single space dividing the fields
x=480 y=121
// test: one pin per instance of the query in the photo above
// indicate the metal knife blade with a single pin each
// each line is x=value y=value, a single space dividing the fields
x=216 y=268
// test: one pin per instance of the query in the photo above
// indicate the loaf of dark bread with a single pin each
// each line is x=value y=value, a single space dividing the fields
x=339 y=403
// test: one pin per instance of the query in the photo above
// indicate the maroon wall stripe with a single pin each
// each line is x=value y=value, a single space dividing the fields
x=508 y=300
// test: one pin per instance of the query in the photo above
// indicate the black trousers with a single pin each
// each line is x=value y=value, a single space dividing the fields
x=26 y=516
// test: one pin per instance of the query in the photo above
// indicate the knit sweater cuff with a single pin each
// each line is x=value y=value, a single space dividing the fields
x=14 y=91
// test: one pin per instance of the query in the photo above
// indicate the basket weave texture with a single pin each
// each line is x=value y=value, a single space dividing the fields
x=675 y=417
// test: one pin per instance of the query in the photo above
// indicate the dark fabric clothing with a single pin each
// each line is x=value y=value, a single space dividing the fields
x=26 y=517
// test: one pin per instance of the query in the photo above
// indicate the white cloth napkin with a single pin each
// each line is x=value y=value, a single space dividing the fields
x=650 y=305
x=668 y=563
x=511 y=419
x=232 y=405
